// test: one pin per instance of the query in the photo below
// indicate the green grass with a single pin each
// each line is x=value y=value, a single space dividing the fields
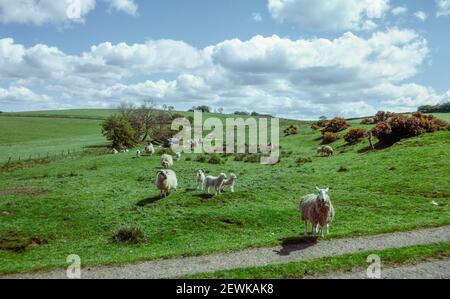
x=88 y=198
x=344 y=263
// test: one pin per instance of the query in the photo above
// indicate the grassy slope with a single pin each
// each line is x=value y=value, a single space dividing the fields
x=80 y=213
x=344 y=263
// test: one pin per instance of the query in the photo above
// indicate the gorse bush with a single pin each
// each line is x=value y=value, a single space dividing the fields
x=214 y=159
x=355 y=136
x=368 y=121
x=335 y=125
x=322 y=123
x=329 y=137
x=383 y=116
x=291 y=130
x=399 y=127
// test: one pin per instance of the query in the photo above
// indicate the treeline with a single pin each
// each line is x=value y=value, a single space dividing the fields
x=442 y=108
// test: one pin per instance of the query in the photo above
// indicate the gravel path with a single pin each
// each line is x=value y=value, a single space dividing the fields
x=256 y=257
x=429 y=270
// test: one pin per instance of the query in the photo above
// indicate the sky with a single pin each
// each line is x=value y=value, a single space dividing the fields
x=291 y=58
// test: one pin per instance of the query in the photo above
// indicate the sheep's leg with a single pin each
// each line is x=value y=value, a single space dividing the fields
x=232 y=189
x=328 y=229
x=314 y=228
x=306 y=228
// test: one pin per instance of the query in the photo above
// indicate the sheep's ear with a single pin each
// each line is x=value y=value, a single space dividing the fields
x=318 y=189
x=327 y=190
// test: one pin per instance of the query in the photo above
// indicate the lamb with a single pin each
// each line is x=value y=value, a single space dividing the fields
x=216 y=182
x=318 y=210
x=166 y=181
x=200 y=179
x=149 y=149
x=166 y=161
x=178 y=156
x=230 y=182
x=325 y=150
x=138 y=154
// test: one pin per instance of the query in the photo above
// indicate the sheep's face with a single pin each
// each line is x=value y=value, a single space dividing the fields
x=162 y=174
x=323 y=195
x=233 y=176
x=223 y=176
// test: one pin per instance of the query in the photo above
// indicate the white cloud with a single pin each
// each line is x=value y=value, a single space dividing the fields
x=257 y=17
x=399 y=10
x=39 y=12
x=422 y=16
x=44 y=11
x=350 y=75
x=443 y=8
x=332 y=15
x=126 y=6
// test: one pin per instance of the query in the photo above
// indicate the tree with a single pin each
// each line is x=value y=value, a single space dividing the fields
x=119 y=131
x=203 y=108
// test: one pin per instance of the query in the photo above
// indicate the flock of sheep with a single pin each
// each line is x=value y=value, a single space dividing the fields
x=316 y=209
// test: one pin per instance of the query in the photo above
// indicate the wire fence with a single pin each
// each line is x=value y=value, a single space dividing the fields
x=67 y=153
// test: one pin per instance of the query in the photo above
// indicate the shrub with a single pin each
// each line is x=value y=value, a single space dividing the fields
x=201 y=159
x=291 y=130
x=188 y=158
x=399 y=127
x=343 y=169
x=383 y=116
x=368 y=121
x=239 y=157
x=129 y=235
x=322 y=123
x=252 y=158
x=329 y=137
x=335 y=125
x=119 y=131
x=214 y=159
x=355 y=136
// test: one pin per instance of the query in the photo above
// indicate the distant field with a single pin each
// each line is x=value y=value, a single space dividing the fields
x=76 y=205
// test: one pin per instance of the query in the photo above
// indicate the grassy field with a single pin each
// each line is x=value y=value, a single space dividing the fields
x=74 y=206
x=344 y=263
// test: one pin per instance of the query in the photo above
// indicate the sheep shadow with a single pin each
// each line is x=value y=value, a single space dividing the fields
x=149 y=201
x=204 y=196
x=293 y=244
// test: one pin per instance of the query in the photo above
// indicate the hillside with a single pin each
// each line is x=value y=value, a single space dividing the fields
x=76 y=205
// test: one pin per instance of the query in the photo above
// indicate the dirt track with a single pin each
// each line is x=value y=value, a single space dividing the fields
x=256 y=257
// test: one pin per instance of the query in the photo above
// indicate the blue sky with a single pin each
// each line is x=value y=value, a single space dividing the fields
x=214 y=55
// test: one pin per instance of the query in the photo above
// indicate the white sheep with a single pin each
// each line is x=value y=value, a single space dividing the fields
x=230 y=182
x=150 y=149
x=166 y=181
x=138 y=154
x=114 y=151
x=166 y=161
x=325 y=150
x=318 y=210
x=216 y=182
x=200 y=179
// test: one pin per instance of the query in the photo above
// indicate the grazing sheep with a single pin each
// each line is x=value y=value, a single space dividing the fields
x=150 y=149
x=325 y=150
x=230 y=182
x=166 y=181
x=178 y=156
x=166 y=161
x=318 y=210
x=114 y=151
x=138 y=154
x=200 y=179
x=216 y=182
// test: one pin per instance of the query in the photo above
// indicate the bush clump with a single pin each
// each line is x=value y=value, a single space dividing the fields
x=165 y=151
x=214 y=159
x=336 y=125
x=355 y=136
x=129 y=235
x=368 y=121
x=399 y=127
x=383 y=116
x=291 y=130
x=329 y=137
